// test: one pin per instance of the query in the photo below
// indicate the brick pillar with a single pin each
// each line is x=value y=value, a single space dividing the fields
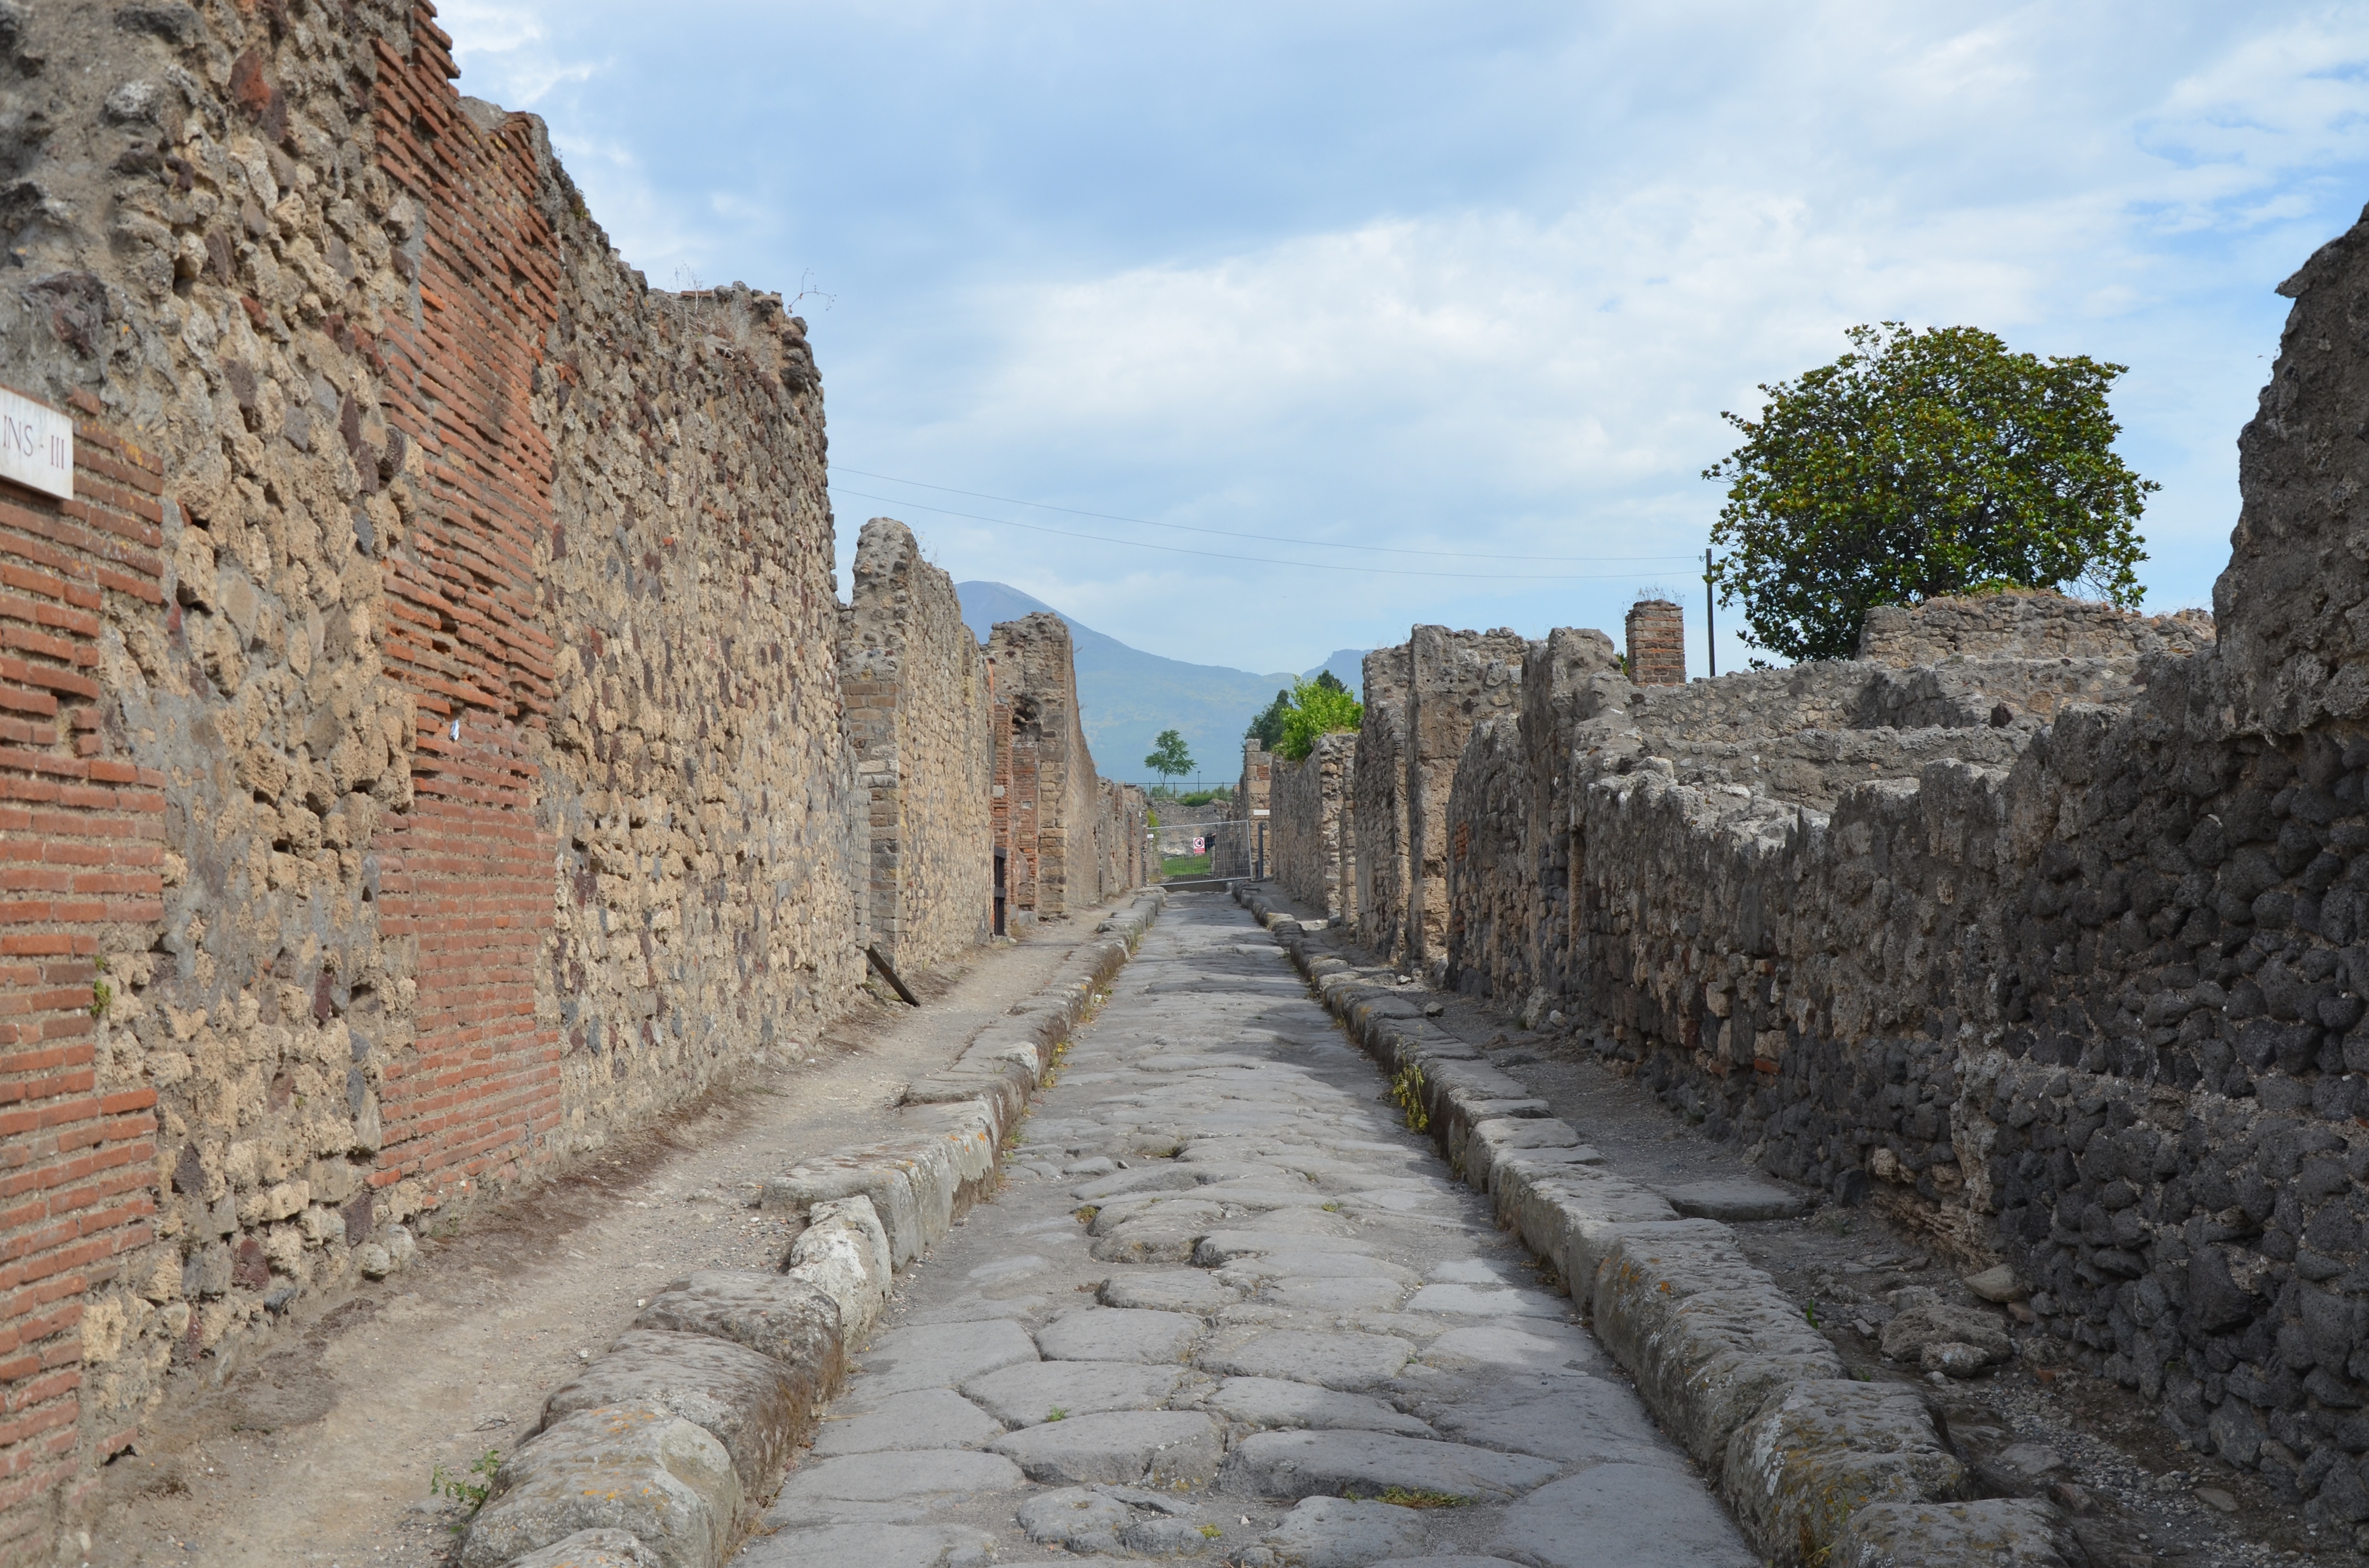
x=1657 y=642
x=82 y=852
x=467 y=864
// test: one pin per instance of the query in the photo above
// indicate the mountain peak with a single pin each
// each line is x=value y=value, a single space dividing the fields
x=1127 y=696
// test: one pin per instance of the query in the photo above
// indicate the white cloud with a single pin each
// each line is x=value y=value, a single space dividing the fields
x=1437 y=279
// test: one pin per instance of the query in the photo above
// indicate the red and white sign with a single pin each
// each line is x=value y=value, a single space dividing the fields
x=35 y=445
x=1200 y=846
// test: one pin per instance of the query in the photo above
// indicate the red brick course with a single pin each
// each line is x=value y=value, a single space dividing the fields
x=468 y=879
x=81 y=857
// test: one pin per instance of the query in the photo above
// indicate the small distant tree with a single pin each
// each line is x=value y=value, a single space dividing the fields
x=1169 y=759
x=1267 y=729
x=1319 y=708
x=1919 y=464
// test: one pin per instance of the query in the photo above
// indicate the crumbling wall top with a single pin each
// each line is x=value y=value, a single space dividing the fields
x=2024 y=625
x=2289 y=600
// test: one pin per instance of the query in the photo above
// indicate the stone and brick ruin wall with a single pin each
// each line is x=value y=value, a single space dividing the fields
x=2042 y=926
x=1245 y=840
x=1122 y=838
x=1378 y=816
x=1657 y=642
x=1455 y=681
x=1071 y=839
x=426 y=749
x=1309 y=818
x=1509 y=886
x=919 y=718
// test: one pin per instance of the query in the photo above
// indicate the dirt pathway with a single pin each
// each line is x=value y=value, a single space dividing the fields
x=318 y=1448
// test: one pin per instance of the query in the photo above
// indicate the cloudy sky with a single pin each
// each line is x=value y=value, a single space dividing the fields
x=1434 y=308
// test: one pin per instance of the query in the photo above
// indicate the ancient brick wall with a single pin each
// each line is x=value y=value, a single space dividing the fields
x=1377 y=805
x=205 y=244
x=1244 y=844
x=427 y=738
x=1509 y=814
x=1657 y=642
x=82 y=829
x=1454 y=680
x=465 y=870
x=1307 y=806
x=1060 y=820
x=1119 y=838
x=918 y=716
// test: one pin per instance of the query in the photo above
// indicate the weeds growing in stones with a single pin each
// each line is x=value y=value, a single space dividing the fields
x=1406 y=1094
x=1404 y=1497
x=461 y=1488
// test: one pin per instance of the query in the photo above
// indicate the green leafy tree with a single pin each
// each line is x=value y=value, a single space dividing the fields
x=1267 y=729
x=1169 y=759
x=1319 y=708
x=1919 y=464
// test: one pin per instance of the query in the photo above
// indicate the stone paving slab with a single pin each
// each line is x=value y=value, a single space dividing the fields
x=1253 y=1403
x=1250 y=1290
x=924 y=1418
x=938 y=1356
x=874 y=1546
x=1123 y=1333
x=1050 y=1391
x=1156 y=1447
x=1345 y=1463
x=889 y=1488
x=1334 y=1532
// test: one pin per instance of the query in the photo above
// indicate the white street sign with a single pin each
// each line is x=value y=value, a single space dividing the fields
x=36 y=444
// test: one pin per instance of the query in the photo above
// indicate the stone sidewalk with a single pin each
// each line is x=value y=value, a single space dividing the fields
x=1229 y=1308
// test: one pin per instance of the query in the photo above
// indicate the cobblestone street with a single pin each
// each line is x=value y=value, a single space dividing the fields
x=1228 y=1306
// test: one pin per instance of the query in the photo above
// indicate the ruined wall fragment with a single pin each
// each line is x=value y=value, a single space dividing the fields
x=1244 y=846
x=1656 y=630
x=1309 y=812
x=1454 y=680
x=919 y=713
x=475 y=657
x=1056 y=797
x=2032 y=625
x=1509 y=815
x=2073 y=982
x=1377 y=805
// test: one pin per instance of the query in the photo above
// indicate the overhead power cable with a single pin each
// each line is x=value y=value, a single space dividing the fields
x=1257 y=560
x=1230 y=534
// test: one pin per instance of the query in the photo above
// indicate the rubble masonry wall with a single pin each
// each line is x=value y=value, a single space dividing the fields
x=1072 y=840
x=424 y=748
x=918 y=715
x=2055 y=948
x=1377 y=805
x=1454 y=680
x=1307 y=801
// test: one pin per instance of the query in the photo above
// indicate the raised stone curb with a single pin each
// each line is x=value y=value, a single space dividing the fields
x=1723 y=1359
x=657 y=1451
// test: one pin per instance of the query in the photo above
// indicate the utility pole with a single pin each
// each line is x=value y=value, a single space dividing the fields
x=1710 y=633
